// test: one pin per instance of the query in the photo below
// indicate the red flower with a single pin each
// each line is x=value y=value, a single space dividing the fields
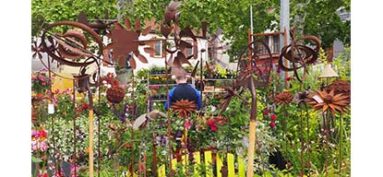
x=289 y=78
x=272 y=124
x=273 y=117
x=42 y=134
x=212 y=124
x=84 y=106
x=266 y=111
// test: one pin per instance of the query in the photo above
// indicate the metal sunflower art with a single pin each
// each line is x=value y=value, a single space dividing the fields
x=340 y=86
x=328 y=100
x=125 y=41
x=183 y=107
x=284 y=97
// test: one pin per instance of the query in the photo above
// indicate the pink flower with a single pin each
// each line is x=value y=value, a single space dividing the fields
x=188 y=124
x=41 y=78
x=34 y=146
x=43 y=146
x=35 y=134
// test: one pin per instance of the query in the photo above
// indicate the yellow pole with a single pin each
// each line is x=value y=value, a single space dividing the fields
x=251 y=148
x=91 y=170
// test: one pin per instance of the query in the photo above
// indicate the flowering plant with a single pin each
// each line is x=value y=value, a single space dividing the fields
x=39 y=140
x=40 y=83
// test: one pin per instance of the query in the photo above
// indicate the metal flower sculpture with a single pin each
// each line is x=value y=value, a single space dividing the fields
x=171 y=24
x=126 y=41
x=283 y=98
x=71 y=47
x=324 y=101
x=115 y=94
x=184 y=107
x=298 y=54
x=340 y=86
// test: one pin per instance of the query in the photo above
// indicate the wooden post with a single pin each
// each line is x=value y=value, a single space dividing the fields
x=91 y=118
x=91 y=133
x=253 y=116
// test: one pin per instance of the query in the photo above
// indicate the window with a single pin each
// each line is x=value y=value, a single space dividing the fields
x=158 y=49
x=275 y=44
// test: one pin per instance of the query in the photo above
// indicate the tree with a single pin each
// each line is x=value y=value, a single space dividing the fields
x=320 y=18
x=49 y=11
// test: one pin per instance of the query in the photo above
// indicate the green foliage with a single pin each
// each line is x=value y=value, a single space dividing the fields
x=320 y=19
x=49 y=11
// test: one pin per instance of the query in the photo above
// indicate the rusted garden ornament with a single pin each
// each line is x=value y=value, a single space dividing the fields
x=183 y=107
x=169 y=26
x=71 y=48
x=259 y=71
x=125 y=40
x=284 y=97
x=329 y=101
x=298 y=54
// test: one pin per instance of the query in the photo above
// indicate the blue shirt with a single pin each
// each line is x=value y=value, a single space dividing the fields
x=184 y=91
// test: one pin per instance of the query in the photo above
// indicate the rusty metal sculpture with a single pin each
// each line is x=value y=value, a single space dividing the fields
x=70 y=47
x=171 y=24
x=126 y=41
x=298 y=54
x=100 y=27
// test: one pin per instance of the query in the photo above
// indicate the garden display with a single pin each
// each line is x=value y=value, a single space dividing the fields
x=270 y=116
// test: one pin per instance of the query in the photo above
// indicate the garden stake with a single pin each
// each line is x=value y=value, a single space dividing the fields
x=99 y=122
x=168 y=131
x=340 y=143
x=253 y=117
x=91 y=133
x=74 y=127
x=53 y=124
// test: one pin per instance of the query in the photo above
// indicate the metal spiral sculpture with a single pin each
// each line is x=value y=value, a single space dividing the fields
x=298 y=54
